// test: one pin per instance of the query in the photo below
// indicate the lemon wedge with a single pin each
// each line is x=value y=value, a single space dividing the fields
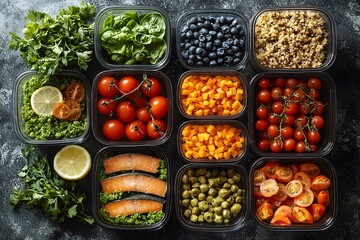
x=72 y=162
x=44 y=99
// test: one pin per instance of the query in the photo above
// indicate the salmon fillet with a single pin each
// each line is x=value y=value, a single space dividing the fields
x=131 y=161
x=129 y=207
x=134 y=182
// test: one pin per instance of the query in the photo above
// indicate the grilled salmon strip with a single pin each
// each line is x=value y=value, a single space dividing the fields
x=127 y=207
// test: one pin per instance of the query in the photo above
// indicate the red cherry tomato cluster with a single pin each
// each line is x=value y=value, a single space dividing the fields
x=293 y=193
x=289 y=114
x=136 y=109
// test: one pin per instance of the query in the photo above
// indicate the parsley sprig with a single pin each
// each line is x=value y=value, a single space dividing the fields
x=52 y=45
x=45 y=189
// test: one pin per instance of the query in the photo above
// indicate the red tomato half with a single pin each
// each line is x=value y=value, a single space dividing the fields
x=310 y=169
x=323 y=197
x=75 y=91
x=280 y=220
x=320 y=182
x=302 y=215
x=294 y=188
x=265 y=211
x=281 y=195
x=317 y=211
x=305 y=199
x=269 y=188
x=259 y=177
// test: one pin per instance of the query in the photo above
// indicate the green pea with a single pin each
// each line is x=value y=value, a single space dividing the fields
x=202 y=171
x=204 y=188
x=223 y=180
x=230 y=172
x=193 y=180
x=227 y=185
x=212 y=192
x=187 y=213
x=209 y=199
x=217 y=201
x=236 y=177
x=234 y=188
x=185 y=202
x=208 y=174
x=218 y=219
x=238 y=199
x=226 y=213
x=211 y=209
x=195 y=210
x=231 y=181
x=215 y=172
x=197 y=173
x=195 y=192
x=195 y=185
x=193 y=218
x=194 y=202
x=186 y=186
x=213 y=182
x=201 y=218
x=223 y=173
x=226 y=220
x=185 y=179
x=224 y=193
x=218 y=210
x=225 y=204
x=208 y=216
x=203 y=205
x=230 y=200
x=201 y=196
x=186 y=194
x=202 y=179
x=235 y=209
x=190 y=173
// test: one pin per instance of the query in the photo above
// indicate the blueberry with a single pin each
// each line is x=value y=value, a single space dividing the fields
x=183 y=35
x=189 y=34
x=236 y=42
x=239 y=27
x=234 y=23
x=193 y=27
x=198 y=51
x=185 y=54
x=222 y=19
x=213 y=49
x=229 y=52
x=208 y=37
x=216 y=26
x=219 y=35
x=220 y=52
x=235 y=48
x=212 y=33
x=217 y=42
x=196 y=34
x=190 y=62
x=187 y=45
x=220 y=61
x=233 y=30
x=208 y=45
x=211 y=19
x=225 y=29
x=202 y=44
x=200 y=63
x=192 y=49
x=196 y=42
x=228 y=35
x=206 y=60
x=241 y=42
x=202 y=38
x=238 y=55
x=198 y=58
x=182 y=45
x=200 y=25
x=204 y=31
x=212 y=55
x=228 y=59
x=236 y=61
x=185 y=29
x=192 y=57
x=225 y=45
x=201 y=19
x=230 y=41
x=212 y=63
x=229 y=19
x=207 y=24
x=193 y=20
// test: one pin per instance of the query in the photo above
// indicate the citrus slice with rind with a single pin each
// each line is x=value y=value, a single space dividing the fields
x=72 y=162
x=44 y=99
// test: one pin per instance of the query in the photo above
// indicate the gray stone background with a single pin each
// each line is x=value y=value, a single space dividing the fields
x=33 y=224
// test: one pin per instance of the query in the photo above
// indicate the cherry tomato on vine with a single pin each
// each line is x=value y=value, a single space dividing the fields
x=287 y=132
x=156 y=128
x=128 y=84
x=261 y=125
x=272 y=119
x=314 y=94
x=317 y=121
x=300 y=147
x=314 y=83
x=291 y=108
x=289 y=145
x=273 y=131
x=299 y=135
x=107 y=87
x=262 y=112
x=135 y=131
x=264 y=96
x=318 y=108
x=264 y=83
x=106 y=107
x=289 y=120
x=299 y=96
x=125 y=112
x=151 y=87
x=143 y=114
x=313 y=136
x=113 y=130
x=291 y=83
x=301 y=121
x=159 y=106
x=263 y=144
x=277 y=93
x=276 y=145
x=280 y=82
x=288 y=92
x=277 y=107
x=139 y=102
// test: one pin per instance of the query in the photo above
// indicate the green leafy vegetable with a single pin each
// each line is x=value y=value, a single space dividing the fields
x=51 y=45
x=133 y=39
x=44 y=188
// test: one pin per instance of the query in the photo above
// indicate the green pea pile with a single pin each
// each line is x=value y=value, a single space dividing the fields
x=211 y=195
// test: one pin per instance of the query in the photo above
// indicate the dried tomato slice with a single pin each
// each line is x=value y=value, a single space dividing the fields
x=75 y=110
x=61 y=110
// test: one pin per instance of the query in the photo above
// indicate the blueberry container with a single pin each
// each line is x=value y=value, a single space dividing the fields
x=326 y=169
x=270 y=47
x=98 y=119
x=203 y=222
x=232 y=94
x=30 y=137
x=327 y=97
x=212 y=38
x=203 y=147
x=140 y=59
x=98 y=171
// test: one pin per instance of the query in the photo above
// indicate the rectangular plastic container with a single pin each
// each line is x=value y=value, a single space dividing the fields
x=211 y=73
x=96 y=186
x=326 y=169
x=327 y=96
x=188 y=20
x=232 y=123
x=234 y=224
x=116 y=11
x=329 y=24
x=98 y=120
x=18 y=102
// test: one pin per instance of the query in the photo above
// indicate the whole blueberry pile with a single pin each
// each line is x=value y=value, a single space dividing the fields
x=212 y=41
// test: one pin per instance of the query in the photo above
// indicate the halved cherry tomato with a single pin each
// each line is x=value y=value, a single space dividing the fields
x=113 y=130
x=274 y=202
x=156 y=128
x=260 y=201
x=284 y=209
x=75 y=91
x=305 y=199
x=259 y=177
x=135 y=131
x=320 y=182
x=281 y=195
x=269 y=188
x=280 y=220
x=265 y=211
x=61 y=111
x=106 y=107
x=317 y=211
x=284 y=174
x=75 y=110
x=289 y=202
x=270 y=169
x=323 y=197
x=108 y=87
x=294 y=188
x=151 y=87
x=257 y=192
x=294 y=168
x=310 y=169
x=303 y=178
x=302 y=215
x=159 y=106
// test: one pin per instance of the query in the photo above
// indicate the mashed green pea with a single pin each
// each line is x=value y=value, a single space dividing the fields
x=49 y=127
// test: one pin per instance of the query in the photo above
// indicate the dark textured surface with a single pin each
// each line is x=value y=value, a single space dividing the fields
x=33 y=224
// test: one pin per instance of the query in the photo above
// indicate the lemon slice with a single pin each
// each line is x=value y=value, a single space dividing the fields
x=72 y=162
x=44 y=99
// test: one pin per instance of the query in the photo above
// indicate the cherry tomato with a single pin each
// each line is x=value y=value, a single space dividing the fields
x=113 y=130
x=125 y=112
x=156 y=128
x=159 y=106
x=320 y=182
x=312 y=170
x=283 y=174
x=317 y=121
x=280 y=220
x=287 y=132
x=291 y=83
x=139 y=102
x=323 y=197
x=284 y=209
x=270 y=169
x=289 y=145
x=259 y=177
x=274 y=202
x=294 y=188
x=75 y=110
x=143 y=114
x=273 y=131
x=291 y=108
x=314 y=83
x=281 y=195
x=75 y=91
x=262 y=112
x=269 y=188
x=317 y=211
x=300 y=147
x=261 y=125
x=135 y=131
x=272 y=119
x=294 y=168
x=299 y=135
x=151 y=87
x=301 y=121
x=288 y=92
x=276 y=145
x=313 y=147
x=128 y=84
x=61 y=111
x=277 y=107
x=264 y=83
x=301 y=84
x=260 y=201
x=303 y=178
x=280 y=82
x=265 y=211
x=107 y=87
x=289 y=120
x=304 y=108
x=106 y=107
x=263 y=144
x=264 y=96
x=302 y=215
x=318 y=108
x=313 y=136
x=314 y=94
x=277 y=93
x=298 y=95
